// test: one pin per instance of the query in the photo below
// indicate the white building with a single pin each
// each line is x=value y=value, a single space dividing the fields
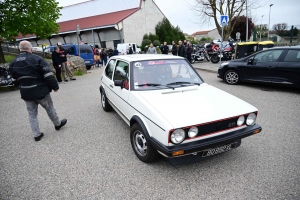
x=213 y=34
x=105 y=22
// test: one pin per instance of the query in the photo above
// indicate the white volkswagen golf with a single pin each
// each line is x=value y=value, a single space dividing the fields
x=171 y=111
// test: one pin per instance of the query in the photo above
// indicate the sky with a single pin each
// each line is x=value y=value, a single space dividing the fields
x=179 y=12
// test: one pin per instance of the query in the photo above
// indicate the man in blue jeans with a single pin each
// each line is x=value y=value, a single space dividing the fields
x=36 y=81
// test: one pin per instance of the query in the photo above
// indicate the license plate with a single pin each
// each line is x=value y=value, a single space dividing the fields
x=218 y=150
x=86 y=61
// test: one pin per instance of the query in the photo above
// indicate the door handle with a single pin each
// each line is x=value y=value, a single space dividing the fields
x=111 y=86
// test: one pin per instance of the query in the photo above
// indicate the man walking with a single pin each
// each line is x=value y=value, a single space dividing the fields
x=174 y=48
x=36 y=82
x=165 y=48
x=65 y=68
x=56 y=60
x=152 y=49
x=181 y=49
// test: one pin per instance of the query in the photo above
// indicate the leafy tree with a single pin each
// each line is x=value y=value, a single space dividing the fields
x=27 y=17
x=280 y=28
x=240 y=26
x=153 y=37
x=261 y=29
x=205 y=39
x=156 y=43
x=167 y=33
x=208 y=10
x=146 y=36
x=145 y=42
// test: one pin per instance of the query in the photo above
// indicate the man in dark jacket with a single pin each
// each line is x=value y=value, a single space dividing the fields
x=56 y=60
x=116 y=52
x=36 y=81
x=174 y=48
x=65 y=68
x=181 y=49
x=110 y=52
x=165 y=48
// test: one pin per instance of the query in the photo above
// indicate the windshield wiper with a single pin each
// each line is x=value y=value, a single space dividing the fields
x=149 y=84
x=182 y=82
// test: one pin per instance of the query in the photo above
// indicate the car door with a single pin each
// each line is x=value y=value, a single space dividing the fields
x=260 y=66
x=107 y=79
x=288 y=69
x=120 y=94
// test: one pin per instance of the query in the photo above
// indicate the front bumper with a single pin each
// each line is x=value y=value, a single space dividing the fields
x=220 y=73
x=200 y=145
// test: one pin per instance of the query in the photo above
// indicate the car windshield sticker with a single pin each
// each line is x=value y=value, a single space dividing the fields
x=138 y=64
x=158 y=62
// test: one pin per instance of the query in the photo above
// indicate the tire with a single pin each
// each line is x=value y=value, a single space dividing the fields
x=193 y=60
x=215 y=59
x=231 y=77
x=88 y=67
x=141 y=145
x=104 y=102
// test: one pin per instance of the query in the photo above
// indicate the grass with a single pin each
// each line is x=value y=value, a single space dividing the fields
x=9 y=58
x=78 y=72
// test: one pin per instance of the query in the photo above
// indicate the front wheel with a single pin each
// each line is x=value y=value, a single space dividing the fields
x=215 y=59
x=141 y=145
x=231 y=77
x=88 y=67
x=193 y=60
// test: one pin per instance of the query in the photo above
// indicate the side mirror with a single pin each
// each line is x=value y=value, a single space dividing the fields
x=250 y=61
x=119 y=83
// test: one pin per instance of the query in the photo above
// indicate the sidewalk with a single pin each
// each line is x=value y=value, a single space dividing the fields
x=207 y=66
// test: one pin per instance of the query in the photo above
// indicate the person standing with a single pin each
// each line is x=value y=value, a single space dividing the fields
x=151 y=49
x=36 y=81
x=130 y=51
x=174 y=48
x=97 y=55
x=116 y=52
x=56 y=60
x=65 y=68
x=103 y=56
x=110 y=52
x=189 y=51
x=181 y=49
x=165 y=48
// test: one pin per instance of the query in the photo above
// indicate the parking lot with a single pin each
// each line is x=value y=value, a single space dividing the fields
x=91 y=157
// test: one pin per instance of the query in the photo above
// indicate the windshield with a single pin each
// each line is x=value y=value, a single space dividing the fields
x=162 y=74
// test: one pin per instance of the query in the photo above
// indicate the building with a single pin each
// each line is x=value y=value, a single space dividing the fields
x=105 y=23
x=213 y=34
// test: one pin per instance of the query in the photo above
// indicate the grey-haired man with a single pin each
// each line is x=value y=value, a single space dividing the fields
x=36 y=81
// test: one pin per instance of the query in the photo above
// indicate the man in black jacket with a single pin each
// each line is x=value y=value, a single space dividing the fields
x=181 y=50
x=36 y=81
x=56 y=60
x=174 y=48
x=165 y=48
x=65 y=67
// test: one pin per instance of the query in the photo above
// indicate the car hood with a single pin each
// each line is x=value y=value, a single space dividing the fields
x=193 y=105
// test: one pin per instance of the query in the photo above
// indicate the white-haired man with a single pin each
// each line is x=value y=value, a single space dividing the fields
x=36 y=81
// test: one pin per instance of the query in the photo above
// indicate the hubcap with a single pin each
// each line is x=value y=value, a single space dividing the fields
x=232 y=77
x=140 y=143
x=103 y=100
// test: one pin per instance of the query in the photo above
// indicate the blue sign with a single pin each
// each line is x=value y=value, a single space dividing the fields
x=224 y=20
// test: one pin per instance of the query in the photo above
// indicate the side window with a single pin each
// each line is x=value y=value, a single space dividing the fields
x=121 y=71
x=268 y=56
x=110 y=68
x=292 y=56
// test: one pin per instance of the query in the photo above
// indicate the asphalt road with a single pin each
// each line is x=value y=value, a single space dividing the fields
x=91 y=158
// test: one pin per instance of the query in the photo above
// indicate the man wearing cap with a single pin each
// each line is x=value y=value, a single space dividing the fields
x=65 y=69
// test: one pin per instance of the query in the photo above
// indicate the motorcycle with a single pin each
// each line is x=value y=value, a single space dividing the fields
x=5 y=78
x=200 y=55
x=227 y=51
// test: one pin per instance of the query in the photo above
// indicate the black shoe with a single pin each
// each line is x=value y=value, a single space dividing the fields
x=73 y=79
x=38 y=138
x=62 y=123
x=66 y=80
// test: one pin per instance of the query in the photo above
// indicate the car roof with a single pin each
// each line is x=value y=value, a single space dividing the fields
x=141 y=57
x=287 y=47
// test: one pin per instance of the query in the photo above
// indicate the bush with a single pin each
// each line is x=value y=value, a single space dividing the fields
x=146 y=36
x=146 y=42
x=156 y=43
x=78 y=72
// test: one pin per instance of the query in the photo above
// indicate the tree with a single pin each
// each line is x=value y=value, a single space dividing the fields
x=261 y=29
x=280 y=28
x=167 y=33
x=27 y=17
x=240 y=26
x=208 y=10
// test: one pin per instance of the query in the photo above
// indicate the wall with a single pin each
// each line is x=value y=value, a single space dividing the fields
x=141 y=22
x=214 y=34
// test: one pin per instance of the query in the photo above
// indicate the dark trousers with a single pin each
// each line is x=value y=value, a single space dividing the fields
x=58 y=74
x=189 y=57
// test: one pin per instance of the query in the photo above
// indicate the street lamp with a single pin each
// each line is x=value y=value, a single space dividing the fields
x=269 y=20
x=260 y=25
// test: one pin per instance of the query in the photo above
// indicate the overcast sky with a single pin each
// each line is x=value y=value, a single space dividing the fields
x=179 y=13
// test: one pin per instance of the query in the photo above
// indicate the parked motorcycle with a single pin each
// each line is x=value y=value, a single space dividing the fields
x=227 y=52
x=5 y=78
x=200 y=55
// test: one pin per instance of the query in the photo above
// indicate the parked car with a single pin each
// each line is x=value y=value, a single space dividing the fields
x=123 y=48
x=86 y=52
x=171 y=111
x=278 y=65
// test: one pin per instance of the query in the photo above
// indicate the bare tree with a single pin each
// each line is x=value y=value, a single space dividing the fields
x=208 y=10
x=280 y=28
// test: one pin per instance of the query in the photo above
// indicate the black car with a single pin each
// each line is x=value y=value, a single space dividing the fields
x=278 y=65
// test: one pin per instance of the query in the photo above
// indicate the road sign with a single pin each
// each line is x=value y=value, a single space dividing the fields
x=224 y=20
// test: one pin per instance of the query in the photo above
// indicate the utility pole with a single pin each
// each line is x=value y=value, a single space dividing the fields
x=246 y=21
x=269 y=21
x=260 y=26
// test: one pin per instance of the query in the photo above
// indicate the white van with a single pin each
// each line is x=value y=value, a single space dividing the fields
x=123 y=48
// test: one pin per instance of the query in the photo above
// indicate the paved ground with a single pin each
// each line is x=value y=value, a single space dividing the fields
x=91 y=158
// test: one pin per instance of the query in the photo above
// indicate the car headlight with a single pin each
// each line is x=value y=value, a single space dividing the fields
x=240 y=121
x=178 y=136
x=251 y=119
x=193 y=132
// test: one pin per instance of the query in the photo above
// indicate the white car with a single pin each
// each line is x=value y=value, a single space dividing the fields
x=171 y=111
